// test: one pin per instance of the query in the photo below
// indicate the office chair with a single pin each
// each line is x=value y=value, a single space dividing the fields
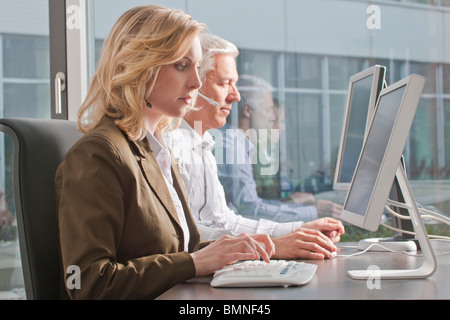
x=39 y=146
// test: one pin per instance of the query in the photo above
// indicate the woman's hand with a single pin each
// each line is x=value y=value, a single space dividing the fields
x=229 y=249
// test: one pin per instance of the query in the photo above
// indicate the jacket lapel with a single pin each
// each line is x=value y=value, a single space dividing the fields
x=152 y=173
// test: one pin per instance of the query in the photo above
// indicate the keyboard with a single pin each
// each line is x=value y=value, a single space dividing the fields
x=256 y=273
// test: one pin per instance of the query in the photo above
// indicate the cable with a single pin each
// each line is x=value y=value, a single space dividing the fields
x=426 y=216
x=435 y=215
x=396 y=229
x=398 y=204
x=431 y=236
x=396 y=214
x=425 y=213
x=388 y=249
x=368 y=248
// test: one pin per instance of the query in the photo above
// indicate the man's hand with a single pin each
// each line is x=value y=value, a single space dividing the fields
x=302 y=197
x=328 y=208
x=314 y=240
x=330 y=227
x=303 y=243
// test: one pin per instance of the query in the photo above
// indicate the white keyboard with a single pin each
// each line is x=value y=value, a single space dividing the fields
x=256 y=273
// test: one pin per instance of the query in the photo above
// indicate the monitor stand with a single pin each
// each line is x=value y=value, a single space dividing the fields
x=429 y=263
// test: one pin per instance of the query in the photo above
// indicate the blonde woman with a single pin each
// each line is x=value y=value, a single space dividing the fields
x=123 y=213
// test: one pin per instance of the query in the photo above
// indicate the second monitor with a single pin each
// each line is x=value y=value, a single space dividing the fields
x=364 y=88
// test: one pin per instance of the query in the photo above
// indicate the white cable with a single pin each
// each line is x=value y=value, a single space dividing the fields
x=398 y=204
x=435 y=215
x=400 y=216
x=425 y=213
x=369 y=247
x=388 y=249
x=435 y=218
x=431 y=236
x=398 y=230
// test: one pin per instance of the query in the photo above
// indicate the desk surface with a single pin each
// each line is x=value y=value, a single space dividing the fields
x=332 y=282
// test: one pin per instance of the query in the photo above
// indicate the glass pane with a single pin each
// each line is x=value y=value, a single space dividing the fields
x=33 y=54
x=24 y=92
x=303 y=71
x=341 y=69
x=447 y=138
x=422 y=152
x=303 y=149
x=27 y=100
x=310 y=68
x=446 y=78
x=261 y=64
x=429 y=72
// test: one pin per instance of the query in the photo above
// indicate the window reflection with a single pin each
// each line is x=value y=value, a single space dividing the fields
x=421 y=151
x=261 y=64
x=27 y=100
x=303 y=71
x=341 y=69
x=33 y=54
x=24 y=92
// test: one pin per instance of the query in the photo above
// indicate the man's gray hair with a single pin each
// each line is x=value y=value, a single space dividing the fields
x=252 y=90
x=213 y=45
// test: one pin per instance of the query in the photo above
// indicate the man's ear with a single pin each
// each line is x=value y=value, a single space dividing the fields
x=247 y=111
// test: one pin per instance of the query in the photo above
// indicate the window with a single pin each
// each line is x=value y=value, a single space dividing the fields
x=26 y=74
x=24 y=92
x=309 y=71
x=307 y=60
x=303 y=71
x=261 y=64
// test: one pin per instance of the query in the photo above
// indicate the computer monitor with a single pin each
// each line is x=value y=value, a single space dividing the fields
x=363 y=90
x=379 y=164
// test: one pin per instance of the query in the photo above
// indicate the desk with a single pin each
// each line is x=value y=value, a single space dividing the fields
x=332 y=282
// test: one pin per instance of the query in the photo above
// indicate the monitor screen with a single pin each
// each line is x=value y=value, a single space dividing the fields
x=364 y=88
x=381 y=153
x=374 y=151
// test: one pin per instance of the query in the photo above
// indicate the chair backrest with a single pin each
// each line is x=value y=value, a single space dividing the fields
x=39 y=147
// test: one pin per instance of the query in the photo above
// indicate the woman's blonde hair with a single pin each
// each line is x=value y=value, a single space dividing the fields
x=141 y=41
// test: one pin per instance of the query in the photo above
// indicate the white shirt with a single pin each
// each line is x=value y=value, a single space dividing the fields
x=164 y=160
x=206 y=195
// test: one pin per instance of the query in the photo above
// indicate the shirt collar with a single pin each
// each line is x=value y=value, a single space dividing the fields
x=158 y=146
